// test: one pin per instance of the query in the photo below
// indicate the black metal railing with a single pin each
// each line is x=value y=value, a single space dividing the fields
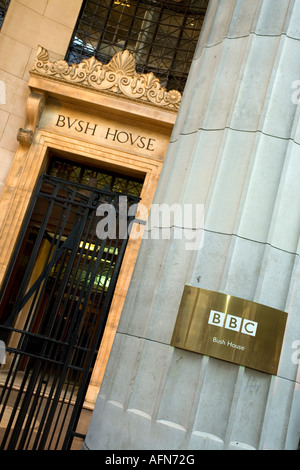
x=54 y=305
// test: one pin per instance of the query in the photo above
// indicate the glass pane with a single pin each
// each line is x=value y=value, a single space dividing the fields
x=161 y=34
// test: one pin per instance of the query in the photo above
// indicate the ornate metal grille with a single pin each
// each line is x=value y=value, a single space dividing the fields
x=161 y=34
x=3 y=9
x=94 y=177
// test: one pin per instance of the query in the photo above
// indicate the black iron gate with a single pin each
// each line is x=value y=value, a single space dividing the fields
x=54 y=307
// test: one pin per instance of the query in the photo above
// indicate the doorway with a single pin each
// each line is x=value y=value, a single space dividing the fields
x=55 y=301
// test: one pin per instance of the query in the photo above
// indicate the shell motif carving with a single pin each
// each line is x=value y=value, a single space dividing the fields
x=122 y=62
x=119 y=76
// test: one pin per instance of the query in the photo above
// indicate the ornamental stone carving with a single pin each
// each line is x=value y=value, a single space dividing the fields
x=119 y=77
x=35 y=105
x=25 y=136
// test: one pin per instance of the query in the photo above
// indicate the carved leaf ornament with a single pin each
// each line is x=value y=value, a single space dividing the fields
x=119 y=76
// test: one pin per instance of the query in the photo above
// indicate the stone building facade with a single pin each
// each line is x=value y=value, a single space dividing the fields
x=231 y=153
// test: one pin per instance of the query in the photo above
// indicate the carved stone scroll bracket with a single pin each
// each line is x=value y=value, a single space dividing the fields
x=35 y=105
x=118 y=77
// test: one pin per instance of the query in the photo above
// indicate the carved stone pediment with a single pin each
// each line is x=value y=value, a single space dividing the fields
x=119 y=77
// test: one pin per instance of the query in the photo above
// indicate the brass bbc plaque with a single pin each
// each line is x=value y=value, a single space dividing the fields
x=230 y=328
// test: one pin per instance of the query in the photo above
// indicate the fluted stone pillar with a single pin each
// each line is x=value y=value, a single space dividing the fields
x=236 y=149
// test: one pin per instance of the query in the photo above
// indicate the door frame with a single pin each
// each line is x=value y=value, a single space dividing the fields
x=29 y=162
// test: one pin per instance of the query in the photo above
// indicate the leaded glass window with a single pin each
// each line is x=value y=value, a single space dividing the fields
x=162 y=35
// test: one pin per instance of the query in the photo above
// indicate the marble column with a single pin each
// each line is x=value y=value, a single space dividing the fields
x=234 y=149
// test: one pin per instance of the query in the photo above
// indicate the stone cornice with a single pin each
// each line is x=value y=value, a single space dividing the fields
x=118 y=77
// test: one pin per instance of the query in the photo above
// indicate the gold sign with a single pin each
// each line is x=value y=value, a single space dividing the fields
x=230 y=328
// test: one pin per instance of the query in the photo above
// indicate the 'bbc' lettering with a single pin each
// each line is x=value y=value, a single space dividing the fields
x=231 y=322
